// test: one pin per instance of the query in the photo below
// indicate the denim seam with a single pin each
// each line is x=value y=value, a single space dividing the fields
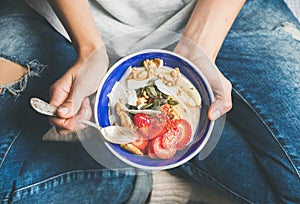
x=6 y=198
x=4 y=201
x=219 y=183
x=66 y=173
x=13 y=141
x=265 y=120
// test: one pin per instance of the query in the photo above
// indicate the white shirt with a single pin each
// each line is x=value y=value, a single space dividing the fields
x=131 y=25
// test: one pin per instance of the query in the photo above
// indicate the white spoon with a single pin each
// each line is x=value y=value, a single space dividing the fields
x=113 y=134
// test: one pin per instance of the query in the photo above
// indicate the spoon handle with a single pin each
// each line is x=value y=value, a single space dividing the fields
x=89 y=123
x=47 y=109
x=113 y=134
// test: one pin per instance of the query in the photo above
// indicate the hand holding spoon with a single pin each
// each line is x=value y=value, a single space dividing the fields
x=113 y=134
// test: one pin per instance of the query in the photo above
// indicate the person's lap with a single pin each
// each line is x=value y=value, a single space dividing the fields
x=32 y=169
x=257 y=159
x=253 y=160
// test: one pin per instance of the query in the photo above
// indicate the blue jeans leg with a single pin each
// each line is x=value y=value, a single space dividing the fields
x=257 y=159
x=32 y=170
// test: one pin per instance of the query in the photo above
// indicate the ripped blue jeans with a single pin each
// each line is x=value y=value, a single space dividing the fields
x=257 y=159
x=32 y=170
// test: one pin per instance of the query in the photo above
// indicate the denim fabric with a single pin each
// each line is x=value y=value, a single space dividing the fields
x=33 y=171
x=256 y=160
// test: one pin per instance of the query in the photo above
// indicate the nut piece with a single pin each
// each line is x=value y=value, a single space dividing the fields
x=171 y=80
x=131 y=148
x=125 y=118
x=154 y=63
x=152 y=66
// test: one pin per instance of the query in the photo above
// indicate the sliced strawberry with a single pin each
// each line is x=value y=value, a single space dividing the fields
x=150 y=132
x=144 y=131
x=158 y=126
x=183 y=132
x=169 y=139
x=150 y=152
x=160 y=151
x=155 y=131
x=141 y=120
x=141 y=144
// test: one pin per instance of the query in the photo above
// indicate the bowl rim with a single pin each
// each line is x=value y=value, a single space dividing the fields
x=210 y=94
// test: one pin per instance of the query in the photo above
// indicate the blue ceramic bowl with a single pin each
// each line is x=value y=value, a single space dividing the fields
x=189 y=70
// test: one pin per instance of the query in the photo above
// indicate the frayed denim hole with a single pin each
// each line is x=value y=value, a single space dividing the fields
x=34 y=67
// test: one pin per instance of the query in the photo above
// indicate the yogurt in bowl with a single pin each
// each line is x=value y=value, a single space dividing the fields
x=164 y=99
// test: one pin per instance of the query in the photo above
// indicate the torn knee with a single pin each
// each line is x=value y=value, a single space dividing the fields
x=14 y=77
x=11 y=72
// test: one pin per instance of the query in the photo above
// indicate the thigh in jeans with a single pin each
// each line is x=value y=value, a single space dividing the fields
x=31 y=170
x=258 y=158
x=263 y=66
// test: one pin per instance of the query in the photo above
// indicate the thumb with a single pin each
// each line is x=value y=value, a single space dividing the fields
x=71 y=106
x=218 y=108
x=223 y=103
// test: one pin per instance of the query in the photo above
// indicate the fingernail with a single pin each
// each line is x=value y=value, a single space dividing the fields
x=63 y=110
x=215 y=114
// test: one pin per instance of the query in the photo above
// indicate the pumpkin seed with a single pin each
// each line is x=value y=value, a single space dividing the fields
x=156 y=102
x=159 y=93
x=165 y=96
x=172 y=102
x=162 y=101
x=150 y=90
x=146 y=106
x=138 y=92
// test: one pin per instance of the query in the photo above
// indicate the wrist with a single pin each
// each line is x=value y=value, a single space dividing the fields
x=94 y=53
x=210 y=23
x=207 y=42
x=85 y=49
x=192 y=51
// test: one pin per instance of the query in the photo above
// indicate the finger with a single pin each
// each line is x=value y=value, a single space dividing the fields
x=63 y=132
x=223 y=102
x=219 y=107
x=61 y=123
x=59 y=91
x=74 y=123
x=71 y=105
x=85 y=112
